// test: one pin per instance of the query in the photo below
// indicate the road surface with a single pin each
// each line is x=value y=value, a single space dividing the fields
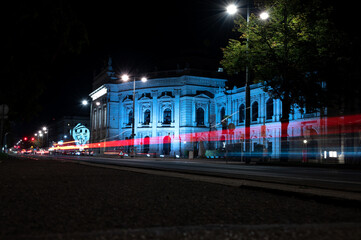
x=341 y=180
x=58 y=198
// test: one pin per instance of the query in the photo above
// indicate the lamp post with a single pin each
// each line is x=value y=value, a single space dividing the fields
x=45 y=129
x=231 y=10
x=126 y=78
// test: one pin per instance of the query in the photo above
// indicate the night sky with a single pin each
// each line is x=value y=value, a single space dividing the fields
x=140 y=36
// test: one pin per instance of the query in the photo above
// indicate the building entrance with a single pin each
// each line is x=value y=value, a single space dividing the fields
x=167 y=141
x=146 y=144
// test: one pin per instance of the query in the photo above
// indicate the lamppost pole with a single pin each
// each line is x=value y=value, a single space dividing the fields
x=247 y=124
x=133 y=117
x=232 y=9
x=125 y=78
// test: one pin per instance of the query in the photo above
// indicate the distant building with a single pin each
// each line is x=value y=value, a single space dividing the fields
x=191 y=105
x=59 y=130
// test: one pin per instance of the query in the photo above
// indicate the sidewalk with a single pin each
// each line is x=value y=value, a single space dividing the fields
x=173 y=159
x=255 y=161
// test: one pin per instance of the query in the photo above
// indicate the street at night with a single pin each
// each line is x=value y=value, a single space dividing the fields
x=57 y=199
x=182 y=119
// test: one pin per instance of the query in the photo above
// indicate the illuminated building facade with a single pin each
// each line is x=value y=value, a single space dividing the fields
x=169 y=109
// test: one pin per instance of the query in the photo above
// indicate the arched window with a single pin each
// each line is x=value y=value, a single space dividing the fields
x=269 y=109
x=130 y=117
x=223 y=113
x=200 y=117
x=241 y=113
x=146 y=117
x=167 y=116
x=254 y=111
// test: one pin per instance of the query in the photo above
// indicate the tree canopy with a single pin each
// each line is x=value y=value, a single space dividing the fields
x=286 y=51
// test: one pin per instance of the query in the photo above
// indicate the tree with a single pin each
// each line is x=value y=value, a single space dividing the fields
x=284 y=52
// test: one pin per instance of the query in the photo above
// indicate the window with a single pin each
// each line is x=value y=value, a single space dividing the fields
x=167 y=116
x=130 y=117
x=95 y=120
x=200 y=116
x=223 y=113
x=269 y=109
x=105 y=117
x=100 y=118
x=241 y=113
x=254 y=111
x=147 y=117
x=167 y=94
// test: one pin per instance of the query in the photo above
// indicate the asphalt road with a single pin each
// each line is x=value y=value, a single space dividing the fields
x=339 y=179
x=46 y=199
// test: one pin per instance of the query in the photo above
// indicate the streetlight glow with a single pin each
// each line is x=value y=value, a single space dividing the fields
x=231 y=9
x=125 y=77
x=264 y=15
x=144 y=79
x=84 y=102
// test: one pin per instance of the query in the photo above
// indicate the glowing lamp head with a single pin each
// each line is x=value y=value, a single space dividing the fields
x=264 y=15
x=125 y=77
x=231 y=9
x=144 y=79
x=84 y=102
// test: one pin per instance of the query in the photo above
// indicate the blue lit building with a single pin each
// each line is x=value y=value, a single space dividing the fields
x=176 y=104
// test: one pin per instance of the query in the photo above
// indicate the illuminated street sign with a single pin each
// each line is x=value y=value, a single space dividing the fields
x=81 y=134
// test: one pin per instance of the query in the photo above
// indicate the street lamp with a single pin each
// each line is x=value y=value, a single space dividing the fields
x=231 y=9
x=125 y=78
x=84 y=102
x=264 y=15
x=45 y=129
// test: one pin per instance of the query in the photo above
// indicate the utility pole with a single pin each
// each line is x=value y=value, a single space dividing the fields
x=4 y=109
x=248 y=104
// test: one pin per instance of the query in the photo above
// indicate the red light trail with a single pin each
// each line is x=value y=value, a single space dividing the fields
x=329 y=126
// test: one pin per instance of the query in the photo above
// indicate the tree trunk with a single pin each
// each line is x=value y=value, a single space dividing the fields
x=284 y=130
